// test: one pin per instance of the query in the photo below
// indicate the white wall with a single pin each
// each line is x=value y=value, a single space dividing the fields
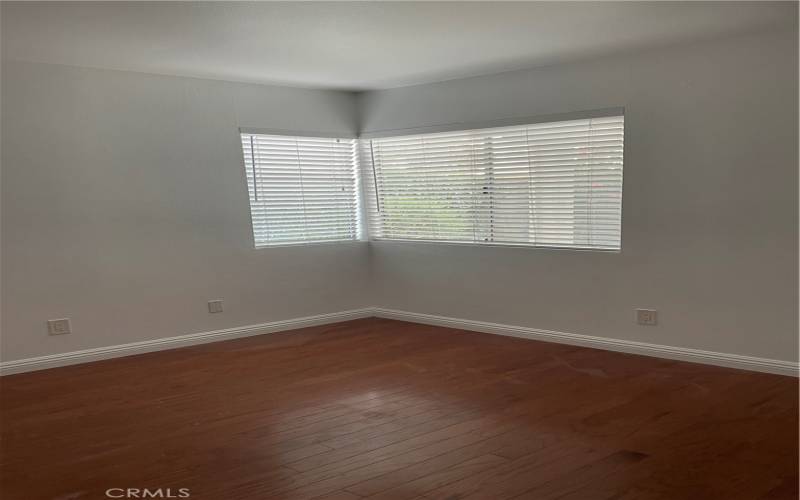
x=710 y=202
x=124 y=207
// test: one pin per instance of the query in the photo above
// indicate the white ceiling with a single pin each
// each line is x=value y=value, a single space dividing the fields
x=360 y=45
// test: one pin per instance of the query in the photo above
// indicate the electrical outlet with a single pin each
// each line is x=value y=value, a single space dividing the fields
x=215 y=306
x=58 y=326
x=646 y=317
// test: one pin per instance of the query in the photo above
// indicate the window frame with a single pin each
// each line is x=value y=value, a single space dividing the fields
x=372 y=198
x=360 y=234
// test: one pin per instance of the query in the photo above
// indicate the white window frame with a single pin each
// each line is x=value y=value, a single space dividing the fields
x=355 y=217
x=372 y=179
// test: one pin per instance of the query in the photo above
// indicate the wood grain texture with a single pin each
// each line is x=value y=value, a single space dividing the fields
x=382 y=409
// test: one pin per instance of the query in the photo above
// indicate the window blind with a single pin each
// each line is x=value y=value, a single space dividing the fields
x=302 y=189
x=556 y=184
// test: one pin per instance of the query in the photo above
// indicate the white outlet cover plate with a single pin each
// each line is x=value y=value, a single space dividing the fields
x=59 y=326
x=646 y=317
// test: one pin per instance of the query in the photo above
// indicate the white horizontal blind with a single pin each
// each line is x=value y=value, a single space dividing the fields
x=302 y=189
x=556 y=184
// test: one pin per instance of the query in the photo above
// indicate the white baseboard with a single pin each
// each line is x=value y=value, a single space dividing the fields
x=628 y=346
x=116 y=351
x=660 y=351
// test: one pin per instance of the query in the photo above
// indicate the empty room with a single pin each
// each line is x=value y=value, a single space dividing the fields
x=399 y=250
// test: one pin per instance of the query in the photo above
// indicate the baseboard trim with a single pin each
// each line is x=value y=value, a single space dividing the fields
x=646 y=349
x=660 y=351
x=116 y=351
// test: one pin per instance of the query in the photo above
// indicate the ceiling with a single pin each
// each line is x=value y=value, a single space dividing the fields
x=361 y=45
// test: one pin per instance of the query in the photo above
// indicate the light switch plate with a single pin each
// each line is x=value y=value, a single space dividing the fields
x=647 y=317
x=215 y=306
x=58 y=326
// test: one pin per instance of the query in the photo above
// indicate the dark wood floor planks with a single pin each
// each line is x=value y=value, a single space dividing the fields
x=388 y=410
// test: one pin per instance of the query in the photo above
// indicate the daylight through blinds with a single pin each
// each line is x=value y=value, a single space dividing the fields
x=302 y=189
x=556 y=184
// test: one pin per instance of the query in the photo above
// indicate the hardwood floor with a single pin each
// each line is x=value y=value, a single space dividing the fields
x=389 y=410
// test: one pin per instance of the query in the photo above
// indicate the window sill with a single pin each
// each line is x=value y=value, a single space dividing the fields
x=310 y=244
x=499 y=245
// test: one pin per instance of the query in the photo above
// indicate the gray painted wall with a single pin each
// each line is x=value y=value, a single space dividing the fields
x=124 y=207
x=709 y=230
